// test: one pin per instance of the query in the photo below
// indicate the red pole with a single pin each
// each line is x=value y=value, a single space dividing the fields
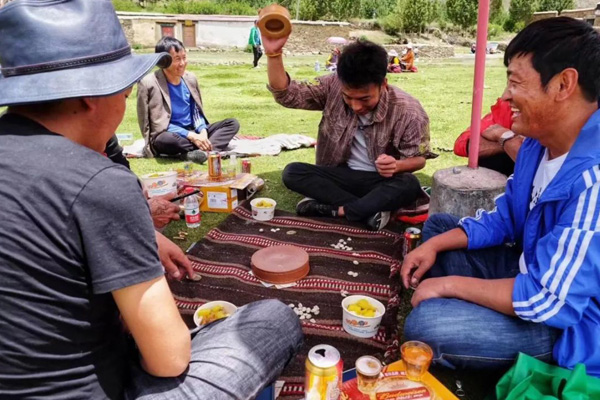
x=482 y=29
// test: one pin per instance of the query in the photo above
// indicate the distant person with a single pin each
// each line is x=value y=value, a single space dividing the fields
x=407 y=62
x=170 y=113
x=372 y=137
x=255 y=42
x=394 y=62
x=473 y=48
x=332 y=60
x=498 y=145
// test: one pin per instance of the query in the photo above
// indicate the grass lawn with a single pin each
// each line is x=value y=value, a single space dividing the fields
x=444 y=88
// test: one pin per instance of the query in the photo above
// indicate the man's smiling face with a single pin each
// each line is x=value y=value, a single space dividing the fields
x=532 y=104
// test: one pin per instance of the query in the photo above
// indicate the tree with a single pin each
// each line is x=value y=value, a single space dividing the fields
x=555 y=5
x=497 y=11
x=462 y=12
x=415 y=14
x=520 y=11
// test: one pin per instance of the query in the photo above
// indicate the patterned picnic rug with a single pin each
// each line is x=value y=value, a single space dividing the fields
x=223 y=260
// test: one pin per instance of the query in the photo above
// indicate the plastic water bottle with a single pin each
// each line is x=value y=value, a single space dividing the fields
x=317 y=66
x=193 y=218
x=232 y=170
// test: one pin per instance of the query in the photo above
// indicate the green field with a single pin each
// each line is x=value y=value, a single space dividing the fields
x=444 y=88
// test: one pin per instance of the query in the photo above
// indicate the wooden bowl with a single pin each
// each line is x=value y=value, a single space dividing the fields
x=280 y=264
x=274 y=21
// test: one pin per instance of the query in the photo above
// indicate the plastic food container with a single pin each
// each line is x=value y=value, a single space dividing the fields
x=261 y=212
x=361 y=326
x=274 y=21
x=227 y=307
x=159 y=183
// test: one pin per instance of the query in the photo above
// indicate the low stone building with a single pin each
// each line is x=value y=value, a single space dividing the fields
x=229 y=31
x=590 y=14
x=223 y=31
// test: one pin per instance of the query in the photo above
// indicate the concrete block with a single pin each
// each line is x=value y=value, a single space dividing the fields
x=462 y=191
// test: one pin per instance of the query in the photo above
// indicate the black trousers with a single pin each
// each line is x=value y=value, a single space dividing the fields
x=219 y=134
x=362 y=193
x=114 y=151
x=257 y=54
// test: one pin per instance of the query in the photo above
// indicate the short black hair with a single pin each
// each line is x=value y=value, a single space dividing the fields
x=362 y=63
x=166 y=43
x=559 y=43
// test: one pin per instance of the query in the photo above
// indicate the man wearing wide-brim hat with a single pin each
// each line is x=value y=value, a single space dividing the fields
x=78 y=254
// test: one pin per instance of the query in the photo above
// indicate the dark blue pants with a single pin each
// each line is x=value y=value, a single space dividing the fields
x=466 y=335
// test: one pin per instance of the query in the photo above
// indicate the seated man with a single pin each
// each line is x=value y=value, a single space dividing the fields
x=170 y=114
x=498 y=146
x=371 y=138
x=525 y=276
x=78 y=252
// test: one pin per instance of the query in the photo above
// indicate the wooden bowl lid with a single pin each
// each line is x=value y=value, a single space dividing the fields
x=280 y=264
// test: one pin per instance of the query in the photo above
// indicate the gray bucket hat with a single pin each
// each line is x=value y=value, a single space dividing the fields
x=60 y=49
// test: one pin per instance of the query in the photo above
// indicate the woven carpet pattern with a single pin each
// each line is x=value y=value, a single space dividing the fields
x=223 y=260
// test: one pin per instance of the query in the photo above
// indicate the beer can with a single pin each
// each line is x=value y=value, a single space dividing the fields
x=214 y=166
x=412 y=237
x=324 y=368
x=246 y=166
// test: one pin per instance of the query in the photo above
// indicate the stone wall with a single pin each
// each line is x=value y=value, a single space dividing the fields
x=543 y=15
x=585 y=13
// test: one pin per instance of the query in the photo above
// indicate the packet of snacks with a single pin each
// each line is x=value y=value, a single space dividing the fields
x=394 y=386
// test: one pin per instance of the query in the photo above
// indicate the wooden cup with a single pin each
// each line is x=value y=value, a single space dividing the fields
x=274 y=21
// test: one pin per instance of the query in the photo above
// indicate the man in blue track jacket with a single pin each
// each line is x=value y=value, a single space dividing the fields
x=529 y=279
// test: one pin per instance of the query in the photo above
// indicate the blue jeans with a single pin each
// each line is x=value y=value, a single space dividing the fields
x=233 y=358
x=466 y=335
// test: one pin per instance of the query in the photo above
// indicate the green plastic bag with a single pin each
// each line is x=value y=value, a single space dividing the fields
x=532 y=379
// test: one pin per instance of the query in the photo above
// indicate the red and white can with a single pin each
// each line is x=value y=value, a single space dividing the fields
x=246 y=166
x=412 y=238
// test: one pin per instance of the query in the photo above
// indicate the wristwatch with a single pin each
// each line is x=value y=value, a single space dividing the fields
x=506 y=136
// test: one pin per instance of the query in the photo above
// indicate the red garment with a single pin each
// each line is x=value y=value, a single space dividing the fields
x=501 y=114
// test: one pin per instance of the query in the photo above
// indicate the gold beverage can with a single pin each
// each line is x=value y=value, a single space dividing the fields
x=324 y=368
x=214 y=166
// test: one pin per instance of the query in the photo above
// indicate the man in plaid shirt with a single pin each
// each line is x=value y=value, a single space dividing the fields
x=372 y=137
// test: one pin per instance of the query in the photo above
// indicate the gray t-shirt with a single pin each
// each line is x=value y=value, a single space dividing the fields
x=75 y=227
x=359 y=155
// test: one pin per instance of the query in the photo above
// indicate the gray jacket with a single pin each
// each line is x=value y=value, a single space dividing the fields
x=154 y=105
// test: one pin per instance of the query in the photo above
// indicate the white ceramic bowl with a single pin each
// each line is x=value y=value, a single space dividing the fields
x=359 y=326
x=227 y=306
x=159 y=183
x=263 y=213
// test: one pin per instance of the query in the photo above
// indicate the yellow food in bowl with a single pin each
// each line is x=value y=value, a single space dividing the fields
x=209 y=315
x=263 y=204
x=362 y=308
